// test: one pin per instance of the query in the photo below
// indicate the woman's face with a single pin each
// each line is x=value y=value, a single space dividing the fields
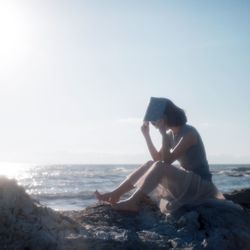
x=160 y=124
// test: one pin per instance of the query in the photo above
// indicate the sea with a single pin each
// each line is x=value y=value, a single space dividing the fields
x=72 y=186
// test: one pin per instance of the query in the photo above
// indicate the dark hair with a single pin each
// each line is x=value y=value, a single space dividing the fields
x=173 y=115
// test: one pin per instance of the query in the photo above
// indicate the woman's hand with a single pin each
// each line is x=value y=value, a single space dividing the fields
x=145 y=131
x=160 y=124
x=145 y=128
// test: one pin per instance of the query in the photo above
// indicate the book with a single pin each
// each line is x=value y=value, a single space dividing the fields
x=155 y=109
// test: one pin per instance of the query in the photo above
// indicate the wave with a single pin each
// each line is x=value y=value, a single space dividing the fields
x=242 y=169
x=234 y=172
x=122 y=170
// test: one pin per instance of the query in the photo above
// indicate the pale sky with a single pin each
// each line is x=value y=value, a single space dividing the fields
x=76 y=77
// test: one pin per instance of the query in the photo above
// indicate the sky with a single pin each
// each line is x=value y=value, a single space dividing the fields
x=76 y=77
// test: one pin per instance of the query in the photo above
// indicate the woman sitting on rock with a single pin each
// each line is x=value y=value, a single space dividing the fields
x=171 y=186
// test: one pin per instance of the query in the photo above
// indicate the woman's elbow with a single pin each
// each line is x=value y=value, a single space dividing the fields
x=168 y=160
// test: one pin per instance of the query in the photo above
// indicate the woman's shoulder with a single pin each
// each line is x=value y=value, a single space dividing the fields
x=189 y=129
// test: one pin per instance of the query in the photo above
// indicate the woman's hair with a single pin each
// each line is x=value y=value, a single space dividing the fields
x=173 y=115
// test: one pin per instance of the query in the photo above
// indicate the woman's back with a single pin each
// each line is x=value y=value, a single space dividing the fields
x=194 y=159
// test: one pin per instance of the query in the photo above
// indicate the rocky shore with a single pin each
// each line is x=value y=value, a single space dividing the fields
x=26 y=225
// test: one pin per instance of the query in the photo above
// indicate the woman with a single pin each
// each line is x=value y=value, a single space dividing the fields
x=171 y=186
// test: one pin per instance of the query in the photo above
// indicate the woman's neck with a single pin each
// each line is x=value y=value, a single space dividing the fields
x=176 y=130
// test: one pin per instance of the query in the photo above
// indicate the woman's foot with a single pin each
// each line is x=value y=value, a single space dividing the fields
x=127 y=206
x=110 y=197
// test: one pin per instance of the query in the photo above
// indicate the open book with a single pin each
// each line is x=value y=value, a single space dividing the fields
x=155 y=109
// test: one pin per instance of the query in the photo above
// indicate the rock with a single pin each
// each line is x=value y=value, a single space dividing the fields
x=190 y=218
x=215 y=224
x=25 y=224
x=241 y=196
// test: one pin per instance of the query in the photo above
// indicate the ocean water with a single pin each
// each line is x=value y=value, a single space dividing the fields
x=71 y=187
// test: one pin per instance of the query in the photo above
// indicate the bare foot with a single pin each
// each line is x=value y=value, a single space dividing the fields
x=110 y=197
x=127 y=205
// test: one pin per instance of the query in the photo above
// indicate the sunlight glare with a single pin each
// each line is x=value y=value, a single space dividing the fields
x=13 y=170
x=13 y=31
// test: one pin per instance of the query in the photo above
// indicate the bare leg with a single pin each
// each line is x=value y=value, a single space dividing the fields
x=125 y=186
x=150 y=182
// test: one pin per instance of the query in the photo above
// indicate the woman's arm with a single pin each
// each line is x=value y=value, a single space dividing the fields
x=154 y=153
x=184 y=143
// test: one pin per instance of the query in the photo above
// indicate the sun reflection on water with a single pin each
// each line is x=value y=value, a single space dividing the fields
x=14 y=170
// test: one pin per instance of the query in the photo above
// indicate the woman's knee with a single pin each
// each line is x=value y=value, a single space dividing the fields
x=149 y=163
x=145 y=166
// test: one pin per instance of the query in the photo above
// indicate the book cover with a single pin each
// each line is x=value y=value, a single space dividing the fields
x=155 y=109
